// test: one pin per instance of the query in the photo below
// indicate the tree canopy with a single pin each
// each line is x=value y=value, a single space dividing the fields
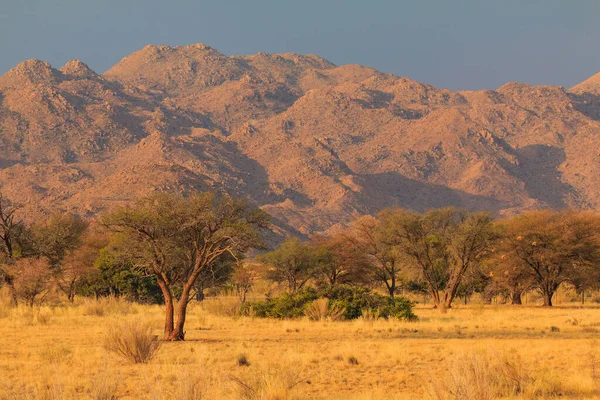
x=177 y=238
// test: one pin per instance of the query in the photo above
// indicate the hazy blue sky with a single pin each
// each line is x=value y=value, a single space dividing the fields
x=459 y=44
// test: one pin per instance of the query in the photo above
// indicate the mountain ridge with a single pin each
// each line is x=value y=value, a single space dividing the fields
x=312 y=143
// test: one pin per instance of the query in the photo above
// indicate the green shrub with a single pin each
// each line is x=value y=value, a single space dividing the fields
x=347 y=301
x=357 y=300
x=399 y=308
x=290 y=305
x=352 y=299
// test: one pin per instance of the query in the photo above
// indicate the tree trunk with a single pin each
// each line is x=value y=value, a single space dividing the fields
x=178 y=333
x=11 y=289
x=447 y=302
x=450 y=294
x=168 y=296
x=547 y=299
x=391 y=289
x=437 y=301
x=200 y=293
x=515 y=297
x=71 y=296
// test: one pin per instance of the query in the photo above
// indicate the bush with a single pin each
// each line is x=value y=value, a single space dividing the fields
x=339 y=302
x=132 y=340
x=352 y=299
x=113 y=278
x=398 y=308
x=290 y=305
x=242 y=360
x=359 y=300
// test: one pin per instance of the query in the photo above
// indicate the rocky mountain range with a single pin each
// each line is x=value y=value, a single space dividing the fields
x=312 y=143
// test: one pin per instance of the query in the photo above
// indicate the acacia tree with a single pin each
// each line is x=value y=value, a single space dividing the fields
x=340 y=262
x=57 y=236
x=79 y=263
x=243 y=280
x=508 y=278
x=215 y=275
x=294 y=263
x=384 y=258
x=551 y=247
x=443 y=244
x=176 y=238
x=582 y=282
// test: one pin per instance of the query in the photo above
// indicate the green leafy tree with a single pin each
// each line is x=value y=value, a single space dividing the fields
x=294 y=264
x=117 y=276
x=507 y=278
x=217 y=274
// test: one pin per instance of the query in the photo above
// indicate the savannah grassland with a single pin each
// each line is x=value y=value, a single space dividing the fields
x=518 y=351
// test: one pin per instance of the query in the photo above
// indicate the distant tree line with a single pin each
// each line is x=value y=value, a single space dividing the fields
x=168 y=249
x=449 y=253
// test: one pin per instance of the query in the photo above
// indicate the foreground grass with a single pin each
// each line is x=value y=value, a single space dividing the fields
x=56 y=353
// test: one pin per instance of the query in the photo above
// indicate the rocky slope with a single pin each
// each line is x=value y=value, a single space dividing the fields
x=312 y=143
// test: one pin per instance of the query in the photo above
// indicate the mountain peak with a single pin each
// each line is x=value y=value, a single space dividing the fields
x=592 y=85
x=77 y=68
x=512 y=86
x=155 y=52
x=199 y=46
x=32 y=71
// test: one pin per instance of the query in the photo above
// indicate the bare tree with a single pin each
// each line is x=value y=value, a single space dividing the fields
x=32 y=278
x=12 y=234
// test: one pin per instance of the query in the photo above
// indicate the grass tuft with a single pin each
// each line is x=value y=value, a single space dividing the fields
x=323 y=310
x=242 y=360
x=132 y=340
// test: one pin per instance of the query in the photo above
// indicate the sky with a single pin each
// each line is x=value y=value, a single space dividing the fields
x=455 y=44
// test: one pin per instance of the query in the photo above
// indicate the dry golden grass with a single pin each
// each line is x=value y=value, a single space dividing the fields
x=471 y=352
x=132 y=340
